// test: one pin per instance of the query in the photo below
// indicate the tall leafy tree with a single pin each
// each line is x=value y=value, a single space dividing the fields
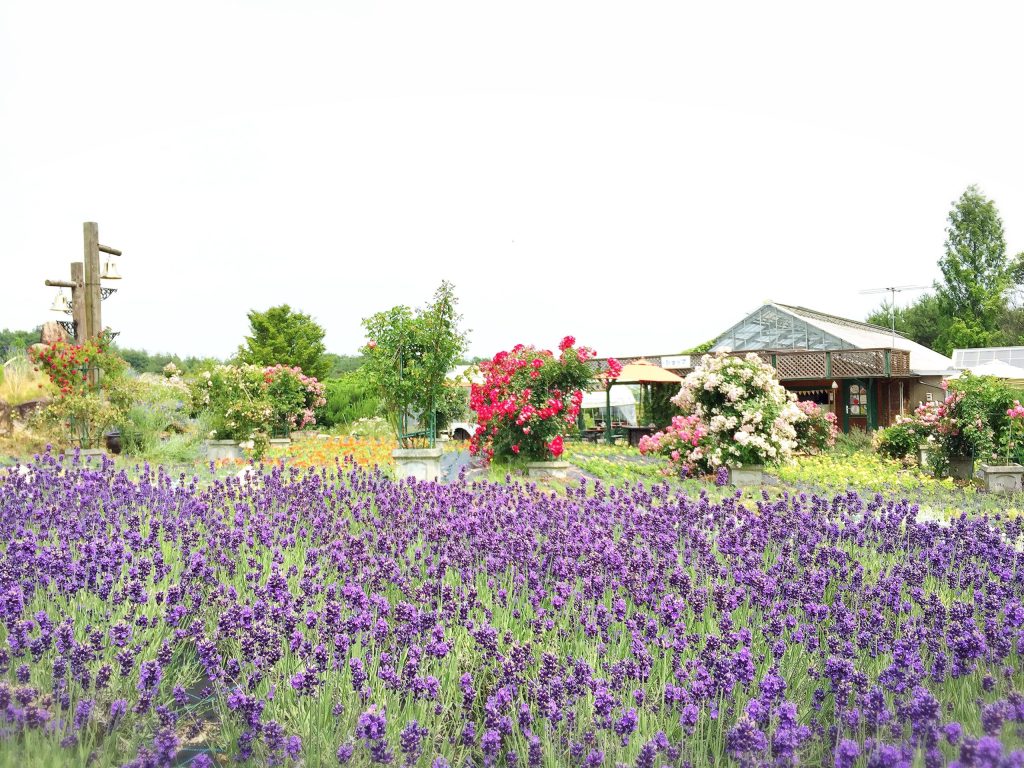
x=971 y=306
x=281 y=335
x=409 y=354
x=976 y=274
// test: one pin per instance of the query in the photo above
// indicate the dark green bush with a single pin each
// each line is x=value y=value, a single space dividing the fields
x=349 y=397
x=898 y=441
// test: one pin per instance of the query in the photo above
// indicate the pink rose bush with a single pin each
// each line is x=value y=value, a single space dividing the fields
x=530 y=398
x=293 y=395
x=817 y=430
x=681 y=442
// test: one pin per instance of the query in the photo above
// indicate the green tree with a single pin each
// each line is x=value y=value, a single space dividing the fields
x=342 y=364
x=410 y=353
x=12 y=342
x=922 y=321
x=281 y=335
x=976 y=274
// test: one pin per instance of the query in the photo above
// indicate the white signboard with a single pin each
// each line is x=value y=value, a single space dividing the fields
x=676 y=361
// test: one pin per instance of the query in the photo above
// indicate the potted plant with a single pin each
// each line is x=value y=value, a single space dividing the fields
x=529 y=399
x=749 y=417
x=1006 y=478
x=409 y=354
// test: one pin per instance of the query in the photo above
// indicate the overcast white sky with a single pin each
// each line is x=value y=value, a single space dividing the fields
x=639 y=174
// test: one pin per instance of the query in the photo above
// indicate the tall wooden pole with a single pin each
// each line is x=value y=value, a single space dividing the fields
x=78 y=300
x=93 y=323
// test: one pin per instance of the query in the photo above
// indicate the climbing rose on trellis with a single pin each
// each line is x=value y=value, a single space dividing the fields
x=67 y=364
x=530 y=398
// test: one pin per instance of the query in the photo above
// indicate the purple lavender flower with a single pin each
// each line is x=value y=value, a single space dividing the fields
x=344 y=753
x=149 y=676
x=371 y=725
x=953 y=733
x=118 y=707
x=744 y=740
x=847 y=754
x=625 y=725
x=490 y=745
x=411 y=741
x=165 y=747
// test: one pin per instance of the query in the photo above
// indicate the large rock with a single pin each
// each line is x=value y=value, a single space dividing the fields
x=6 y=421
x=52 y=333
x=24 y=411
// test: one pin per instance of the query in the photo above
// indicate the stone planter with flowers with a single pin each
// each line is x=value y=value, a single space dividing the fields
x=1008 y=477
x=409 y=354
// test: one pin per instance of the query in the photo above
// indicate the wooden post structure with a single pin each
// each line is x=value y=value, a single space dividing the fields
x=93 y=322
x=86 y=296
x=77 y=299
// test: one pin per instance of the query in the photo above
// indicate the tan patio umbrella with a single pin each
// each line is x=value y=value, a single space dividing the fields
x=640 y=372
x=644 y=372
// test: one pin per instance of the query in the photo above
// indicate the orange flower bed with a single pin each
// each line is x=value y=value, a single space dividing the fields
x=365 y=451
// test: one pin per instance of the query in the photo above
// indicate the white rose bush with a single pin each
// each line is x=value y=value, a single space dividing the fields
x=743 y=416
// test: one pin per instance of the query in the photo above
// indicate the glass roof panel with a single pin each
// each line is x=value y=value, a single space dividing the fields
x=770 y=328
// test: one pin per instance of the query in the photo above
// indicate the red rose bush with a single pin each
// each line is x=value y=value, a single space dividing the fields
x=530 y=398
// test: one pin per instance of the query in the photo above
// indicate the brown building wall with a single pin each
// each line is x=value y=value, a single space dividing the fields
x=886 y=394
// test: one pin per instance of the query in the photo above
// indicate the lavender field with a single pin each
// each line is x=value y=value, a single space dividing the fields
x=315 y=617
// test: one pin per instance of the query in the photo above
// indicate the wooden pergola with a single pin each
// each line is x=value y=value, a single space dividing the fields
x=638 y=372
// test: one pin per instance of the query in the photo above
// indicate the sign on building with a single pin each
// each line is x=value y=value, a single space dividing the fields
x=676 y=361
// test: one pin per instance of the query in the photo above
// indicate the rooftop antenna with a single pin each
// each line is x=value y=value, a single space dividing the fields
x=894 y=289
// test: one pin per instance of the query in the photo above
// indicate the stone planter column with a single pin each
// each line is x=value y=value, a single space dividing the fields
x=961 y=467
x=548 y=469
x=752 y=474
x=419 y=463
x=922 y=455
x=92 y=453
x=1002 y=478
x=223 y=449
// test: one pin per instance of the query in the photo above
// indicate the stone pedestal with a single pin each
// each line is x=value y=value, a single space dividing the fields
x=419 y=463
x=961 y=467
x=280 y=442
x=922 y=455
x=1002 y=478
x=548 y=469
x=752 y=474
x=223 y=449
x=92 y=455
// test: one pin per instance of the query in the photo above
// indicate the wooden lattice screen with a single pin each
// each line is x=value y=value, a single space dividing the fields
x=899 y=362
x=858 y=362
x=807 y=364
x=801 y=365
